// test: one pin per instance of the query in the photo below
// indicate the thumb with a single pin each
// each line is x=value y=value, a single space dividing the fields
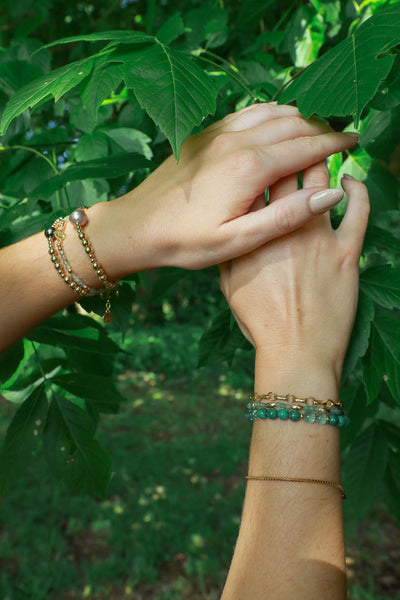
x=248 y=232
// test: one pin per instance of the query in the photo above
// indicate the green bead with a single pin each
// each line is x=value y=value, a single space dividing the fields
x=340 y=420
x=283 y=414
x=336 y=411
x=294 y=415
x=321 y=418
x=333 y=420
x=346 y=421
x=262 y=413
x=272 y=413
x=309 y=417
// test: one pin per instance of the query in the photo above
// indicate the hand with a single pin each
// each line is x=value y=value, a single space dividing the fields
x=295 y=298
x=200 y=211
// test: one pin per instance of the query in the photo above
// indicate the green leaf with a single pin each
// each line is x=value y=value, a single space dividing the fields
x=173 y=90
x=107 y=167
x=91 y=145
x=171 y=29
x=382 y=285
x=53 y=84
x=388 y=331
x=347 y=77
x=360 y=335
x=373 y=367
x=95 y=389
x=365 y=463
x=383 y=189
x=252 y=11
x=131 y=140
x=119 y=36
x=10 y=360
x=378 y=238
x=220 y=342
x=72 y=453
x=90 y=340
x=22 y=438
x=103 y=80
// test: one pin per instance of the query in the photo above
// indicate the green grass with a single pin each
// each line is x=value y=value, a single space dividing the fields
x=168 y=526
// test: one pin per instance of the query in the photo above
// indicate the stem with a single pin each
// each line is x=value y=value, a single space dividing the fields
x=228 y=71
x=29 y=149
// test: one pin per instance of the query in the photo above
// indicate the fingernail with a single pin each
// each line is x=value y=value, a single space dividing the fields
x=273 y=102
x=347 y=176
x=321 y=201
x=353 y=134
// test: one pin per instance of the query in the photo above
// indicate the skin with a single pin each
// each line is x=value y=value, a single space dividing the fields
x=191 y=215
x=295 y=299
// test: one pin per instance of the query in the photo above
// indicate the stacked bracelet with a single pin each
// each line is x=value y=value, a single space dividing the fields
x=55 y=235
x=272 y=406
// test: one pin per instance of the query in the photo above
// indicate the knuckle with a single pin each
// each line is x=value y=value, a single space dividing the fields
x=221 y=143
x=245 y=161
x=284 y=218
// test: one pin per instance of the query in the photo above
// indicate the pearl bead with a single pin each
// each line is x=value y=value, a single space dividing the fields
x=49 y=232
x=78 y=216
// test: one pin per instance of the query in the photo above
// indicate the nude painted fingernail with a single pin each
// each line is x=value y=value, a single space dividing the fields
x=321 y=201
x=347 y=176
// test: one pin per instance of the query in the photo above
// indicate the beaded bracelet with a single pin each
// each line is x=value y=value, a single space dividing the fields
x=55 y=235
x=308 y=410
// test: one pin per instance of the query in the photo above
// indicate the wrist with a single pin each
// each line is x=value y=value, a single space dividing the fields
x=297 y=373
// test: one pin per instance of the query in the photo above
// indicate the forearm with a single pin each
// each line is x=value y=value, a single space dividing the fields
x=31 y=289
x=291 y=543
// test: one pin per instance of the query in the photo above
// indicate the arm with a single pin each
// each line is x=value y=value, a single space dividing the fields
x=295 y=299
x=192 y=214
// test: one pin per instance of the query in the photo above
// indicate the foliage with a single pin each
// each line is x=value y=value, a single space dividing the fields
x=87 y=117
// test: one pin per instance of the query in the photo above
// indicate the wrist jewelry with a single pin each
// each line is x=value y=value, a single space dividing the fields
x=55 y=235
x=298 y=480
x=272 y=406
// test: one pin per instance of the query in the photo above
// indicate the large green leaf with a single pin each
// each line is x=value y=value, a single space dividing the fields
x=73 y=455
x=119 y=37
x=347 y=77
x=10 y=360
x=108 y=168
x=360 y=335
x=95 y=389
x=388 y=331
x=21 y=438
x=103 y=80
x=89 y=340
x=366 y=462
x=382 y=285
x=53 y=84
x=173 y=90
x=220 y=342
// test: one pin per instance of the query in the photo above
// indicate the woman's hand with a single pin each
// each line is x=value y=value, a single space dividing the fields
x=199 y=212
x=295 y=298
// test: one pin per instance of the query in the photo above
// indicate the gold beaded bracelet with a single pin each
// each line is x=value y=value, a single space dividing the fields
x=332 y=484
x=55 y=235
x=291 y=399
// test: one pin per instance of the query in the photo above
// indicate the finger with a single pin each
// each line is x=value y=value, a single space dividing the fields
x=254 y=115
x=254 y=229
x=294 y=155
x=354 y=224
x=272 y=131
x=283 y=187
x=258 y=203
x=318 y=176
x=224 y=275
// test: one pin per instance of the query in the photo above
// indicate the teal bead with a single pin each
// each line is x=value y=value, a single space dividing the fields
x=346 y=421
x=283 y=414
x=340 y=420
x=309 y=417
x=249 y=405
x=321 y=417
x=294 y=415
x=272 y=413
x=333 y=420
x=336 y=411
x=262 y=413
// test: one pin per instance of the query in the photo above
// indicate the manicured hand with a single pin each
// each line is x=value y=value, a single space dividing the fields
x=295 y=298
x=200 y=211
